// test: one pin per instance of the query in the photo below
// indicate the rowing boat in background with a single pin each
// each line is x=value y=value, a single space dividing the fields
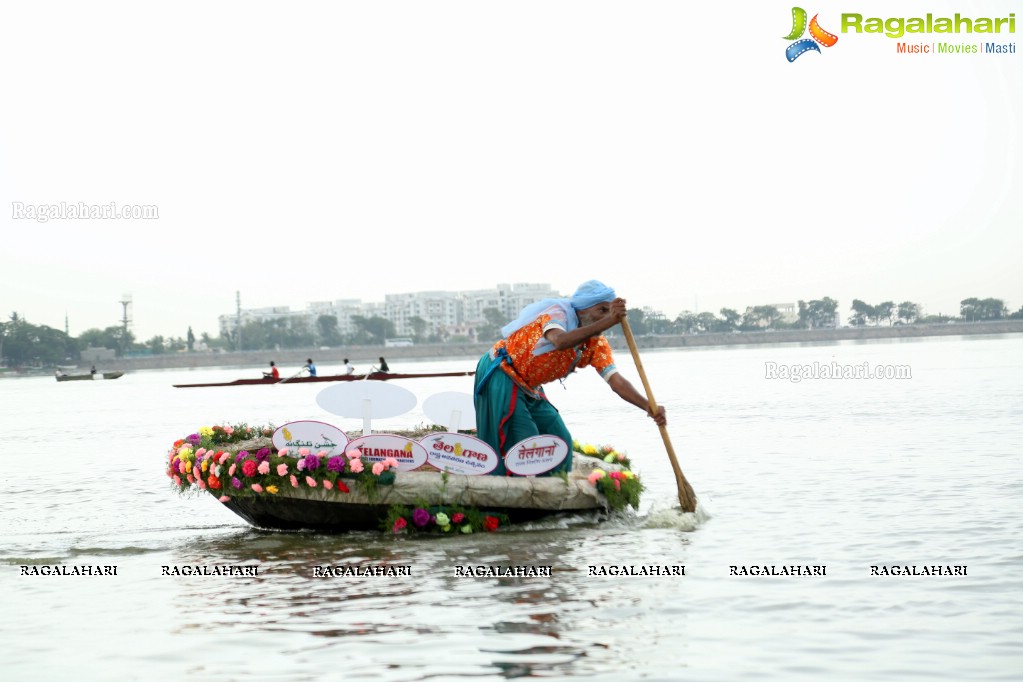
x=372 y=376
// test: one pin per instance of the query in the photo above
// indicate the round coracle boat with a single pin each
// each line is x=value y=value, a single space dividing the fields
x=402 y=482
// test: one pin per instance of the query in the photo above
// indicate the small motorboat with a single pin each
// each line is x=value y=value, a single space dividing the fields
x=90 y=377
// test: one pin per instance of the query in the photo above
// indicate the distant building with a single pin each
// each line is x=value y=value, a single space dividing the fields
x=229 y=323
x=789 y=311
x=443 y=313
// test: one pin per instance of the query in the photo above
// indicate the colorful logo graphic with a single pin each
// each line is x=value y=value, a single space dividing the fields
x=817 y=35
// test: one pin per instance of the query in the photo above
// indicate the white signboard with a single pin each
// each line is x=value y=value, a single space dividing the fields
x=379 y=446
x=314 y=435
x=366 y=399
x=452 y=409
x=535 y=455
x=350 y=399
x=457 y=453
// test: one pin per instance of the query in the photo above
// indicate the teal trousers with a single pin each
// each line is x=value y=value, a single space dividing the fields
x=507 y=414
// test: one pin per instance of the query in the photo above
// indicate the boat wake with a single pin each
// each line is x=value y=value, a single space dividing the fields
x=668 y=514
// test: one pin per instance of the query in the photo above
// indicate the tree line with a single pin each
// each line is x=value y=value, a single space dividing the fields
x=24 y=344
x=814 y=314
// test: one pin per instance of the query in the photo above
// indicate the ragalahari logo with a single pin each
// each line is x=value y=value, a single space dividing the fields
x=817 y=35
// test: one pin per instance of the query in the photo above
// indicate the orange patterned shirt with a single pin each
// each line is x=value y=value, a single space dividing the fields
x=532 y=371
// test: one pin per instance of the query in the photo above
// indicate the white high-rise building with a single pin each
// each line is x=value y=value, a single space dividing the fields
x=442 y=313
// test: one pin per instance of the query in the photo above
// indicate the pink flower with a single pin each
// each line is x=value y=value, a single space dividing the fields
x=249 y=468
x=282 y=469
x=354 y=453
x=182 y=466
x=224 y=498
x=391 y=463
x=301 y=465
x=191 y=478
x=321 y=453
x=229 y=430
x=258 y=488
x=328 y=485
x=356 y=465
x=195 y=471
x=595 y=476
x=202 y=484
x=618 y=484
x=378 y=468
x=294 y=482
x=222 y=457
x=303 y=452
x=230 y=472
x=457 y=517
x=200 y=452
x=282 y=452
x=177 y=479
x=310 y=481
x=264 y=468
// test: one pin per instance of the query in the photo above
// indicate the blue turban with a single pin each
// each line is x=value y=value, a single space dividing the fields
x=590 y=294
x=587 y=295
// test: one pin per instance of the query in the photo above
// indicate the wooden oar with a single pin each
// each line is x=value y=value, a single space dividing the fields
x=292 y=376
x=686 y=496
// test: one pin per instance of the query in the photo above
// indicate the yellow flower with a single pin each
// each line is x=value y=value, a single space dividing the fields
x=186 y=453
x=589 y=449
x=205 y=431
x=205 y=465
x=272 y=489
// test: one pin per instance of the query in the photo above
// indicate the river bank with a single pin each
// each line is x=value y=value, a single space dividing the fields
x=364 y=356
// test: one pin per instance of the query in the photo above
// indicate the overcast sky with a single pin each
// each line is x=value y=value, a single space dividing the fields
x=324 y=150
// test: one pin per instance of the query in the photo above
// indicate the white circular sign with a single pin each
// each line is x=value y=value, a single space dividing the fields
x=535 y=455
x=354 y=398
x=314 y=435
x=379 y=446
x=457 y=453
x=452 y=409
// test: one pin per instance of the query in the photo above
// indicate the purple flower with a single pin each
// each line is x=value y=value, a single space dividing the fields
x=195 y=438
x=263 y=454
x=242 y=454
x=420 y=517
x=311 y=462
x=336 y=464
x=235 y=482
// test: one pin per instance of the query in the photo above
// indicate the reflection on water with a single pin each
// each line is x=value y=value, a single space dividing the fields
x=440 y=623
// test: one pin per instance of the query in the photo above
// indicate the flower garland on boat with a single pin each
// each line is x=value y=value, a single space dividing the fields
x=200 y=461
x=621 y=488
x=606 y=453
x=440 y=519
x=195 y=462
